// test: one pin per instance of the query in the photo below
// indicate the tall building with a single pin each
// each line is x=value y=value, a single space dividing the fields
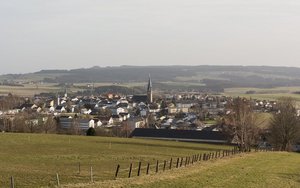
x=149 y=91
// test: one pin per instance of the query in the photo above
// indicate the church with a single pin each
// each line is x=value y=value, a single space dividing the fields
x=146 y=98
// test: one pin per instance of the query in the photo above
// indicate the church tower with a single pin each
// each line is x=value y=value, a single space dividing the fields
x=149 y=91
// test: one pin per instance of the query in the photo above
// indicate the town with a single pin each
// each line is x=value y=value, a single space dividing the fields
x=116 y=114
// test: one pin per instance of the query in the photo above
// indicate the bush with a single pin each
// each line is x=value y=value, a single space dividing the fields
x=91 y=132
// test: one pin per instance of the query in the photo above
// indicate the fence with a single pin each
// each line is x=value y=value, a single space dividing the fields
x=146 y=168
x=178 y=162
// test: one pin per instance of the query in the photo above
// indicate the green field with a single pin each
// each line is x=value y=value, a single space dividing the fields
x=264 y=169
x=34 y=159
x=266 y=93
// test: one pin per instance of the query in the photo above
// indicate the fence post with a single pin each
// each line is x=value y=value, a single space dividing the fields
x=139 y=169
x=57 y=180
x=164 y=165
x=204 y=157
x=12 y=182
x=157 y=166
x=213 y=156
x=177 y=163
x=117 y=171
x=92 y=178
x=148 y=167
x=171 y=162
x=130 y=169
x=79 y=170
x=200 y=156
x=181 y=161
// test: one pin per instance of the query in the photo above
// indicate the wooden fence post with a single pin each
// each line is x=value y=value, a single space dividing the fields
x=171 y=162
x=79 y=170
x=130 y=169
x=139 y=169
x=157 y=166
x=181 y=161
x=148 y=167
x=92 y=178
x=12 y=182
x=117 y=171
x=164 y=165
x=57 y=180
x=200 y=156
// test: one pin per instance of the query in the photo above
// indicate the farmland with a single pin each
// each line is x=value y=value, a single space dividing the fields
x=34 y=159
x=264 y=169
x=266 y=93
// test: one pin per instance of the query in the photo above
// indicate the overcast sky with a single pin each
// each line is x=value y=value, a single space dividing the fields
x=67 y=34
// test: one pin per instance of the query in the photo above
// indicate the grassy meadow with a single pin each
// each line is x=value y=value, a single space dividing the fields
x=29 y=89
x=265 y=93
x=263 y=169
x=34 y=159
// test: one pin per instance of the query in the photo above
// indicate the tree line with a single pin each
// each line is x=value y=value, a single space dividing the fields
x=243 y=124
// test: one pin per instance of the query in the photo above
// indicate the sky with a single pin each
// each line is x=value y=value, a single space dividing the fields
x=68 y=34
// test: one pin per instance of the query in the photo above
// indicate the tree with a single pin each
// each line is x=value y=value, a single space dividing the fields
x=49 y=125
x=75 y=127
x=91 y=132
x=241 y=123
x=125 y=129
x=285 y=126
x=10 y=102
x=105 y=112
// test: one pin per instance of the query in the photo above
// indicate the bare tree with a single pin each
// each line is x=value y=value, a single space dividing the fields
x=125 y=129
x=49 y=125
x=75 y=127
x=241 y=123
x=285 y=126
x=10 y=102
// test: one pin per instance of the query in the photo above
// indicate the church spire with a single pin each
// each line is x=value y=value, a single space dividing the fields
x=149 y=90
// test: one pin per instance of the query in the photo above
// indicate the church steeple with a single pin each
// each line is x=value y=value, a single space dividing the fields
x=149 y=90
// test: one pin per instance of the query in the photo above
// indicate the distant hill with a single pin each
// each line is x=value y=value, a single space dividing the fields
x=205 y=75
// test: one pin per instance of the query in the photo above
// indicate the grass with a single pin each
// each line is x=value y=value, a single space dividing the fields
x=266 y=93
x=265 y=169
x=34 y=159
x=29 y=89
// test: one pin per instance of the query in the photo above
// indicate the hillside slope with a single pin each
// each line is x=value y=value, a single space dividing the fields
x=212 y=76
x=265 y=169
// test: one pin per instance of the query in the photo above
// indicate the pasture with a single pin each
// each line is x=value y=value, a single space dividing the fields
x=263 y=169
x=34 y=159
x=265 y=93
